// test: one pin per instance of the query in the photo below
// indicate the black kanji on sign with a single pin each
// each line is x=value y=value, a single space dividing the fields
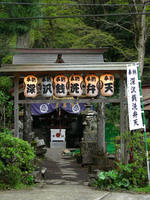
x=108 y=86
x=44 y=79
x=57 y=79
x=132 y=81
x=88 y=78
x=134 y=71
x=129 y=72
x=135 y=114
x=47 y=88
x=134 y=106
x=106 y=78
x=133 y=90
x=135 y=121
x=134 y=98
x=60 y=88
x=33 y=79
x=30 y=88
x=75 y=88
x=77 y=78
x=28 y=79
x=72 y=78
x=111 y=78
x=93 y=79
x=63 y=79
x=91 y=87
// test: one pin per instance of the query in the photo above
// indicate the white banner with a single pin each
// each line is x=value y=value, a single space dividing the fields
x=133 y=93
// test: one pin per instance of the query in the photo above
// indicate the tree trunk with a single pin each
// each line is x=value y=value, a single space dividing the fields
x=142 y=40
x=23 y=41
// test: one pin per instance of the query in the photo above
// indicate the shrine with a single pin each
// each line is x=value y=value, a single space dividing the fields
x=82 y=79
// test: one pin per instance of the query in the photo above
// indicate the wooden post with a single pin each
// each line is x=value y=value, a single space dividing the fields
x=16 y=106
x=101 y=128
x=122 y=119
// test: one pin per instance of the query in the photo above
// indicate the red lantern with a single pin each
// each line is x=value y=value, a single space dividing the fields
x=60 y=85
x=91 y=85
x=107 y=84
x=30 y=86
x=75 y=85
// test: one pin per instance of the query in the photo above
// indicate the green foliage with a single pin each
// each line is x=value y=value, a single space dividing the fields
x=16 y=161
x=5 y=83
x=12 y=28
x=112 y=180
x=6 y=106
x=131 y=175
x=17 y=11
x=145 y=189
x=112 y=127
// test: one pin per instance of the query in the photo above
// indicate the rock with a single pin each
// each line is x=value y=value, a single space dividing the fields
x=40 y=142
x=43 y=171
x=37 y=176
x=41 y=151
x=66 y=151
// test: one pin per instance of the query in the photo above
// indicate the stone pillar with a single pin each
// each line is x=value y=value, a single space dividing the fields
x=101 y=128
x=27 y=122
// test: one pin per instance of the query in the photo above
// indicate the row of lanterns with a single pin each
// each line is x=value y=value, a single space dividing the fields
x=59 y=85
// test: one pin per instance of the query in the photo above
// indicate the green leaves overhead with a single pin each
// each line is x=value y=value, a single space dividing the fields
x=120 y=33
x=17 y=11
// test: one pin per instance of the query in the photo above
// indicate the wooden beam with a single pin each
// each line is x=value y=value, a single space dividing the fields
x=16 y=106
x=89 y=101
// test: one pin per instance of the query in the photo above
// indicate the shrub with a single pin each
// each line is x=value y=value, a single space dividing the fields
x=16 y=161
x=112 y=180
x=133 y=174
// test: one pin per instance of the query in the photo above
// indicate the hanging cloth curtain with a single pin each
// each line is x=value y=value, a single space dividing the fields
x=74 y=108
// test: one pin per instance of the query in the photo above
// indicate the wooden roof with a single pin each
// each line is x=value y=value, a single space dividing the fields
x=60 y=50
x=62 y=67
x=49 y=56
x=44 y=60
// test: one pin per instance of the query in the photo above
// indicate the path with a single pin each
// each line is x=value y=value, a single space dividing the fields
x=65 y=180
x=63 y=169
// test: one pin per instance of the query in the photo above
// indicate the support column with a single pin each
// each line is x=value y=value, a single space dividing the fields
x=16 y=106
x=101 y=128
x=27 y=122
x=123 y=108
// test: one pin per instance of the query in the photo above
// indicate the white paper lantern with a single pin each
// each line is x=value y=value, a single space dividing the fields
x=75 y=85
x=47 y=86
x=91 y=85
x=30 y=86
x=107 y=84
x=60 y=85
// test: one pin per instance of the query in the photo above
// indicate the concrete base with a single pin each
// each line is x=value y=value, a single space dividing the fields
x=54 y=145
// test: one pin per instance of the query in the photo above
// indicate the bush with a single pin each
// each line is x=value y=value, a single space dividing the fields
x=131 y=175
x=16 y=161
x=112 y=180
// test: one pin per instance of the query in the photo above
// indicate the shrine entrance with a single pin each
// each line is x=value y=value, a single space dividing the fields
x=31 y=66
x=44 y=124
